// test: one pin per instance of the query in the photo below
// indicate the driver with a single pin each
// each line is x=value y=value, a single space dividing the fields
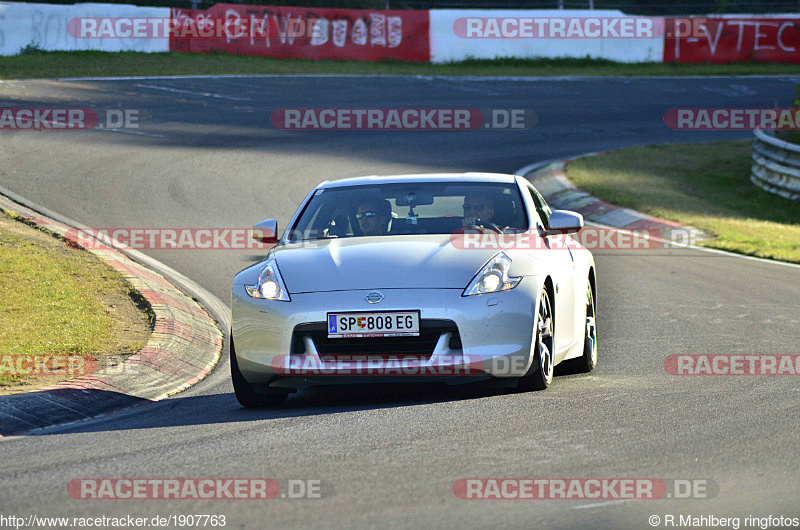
x=373 y=216
x=478 y=212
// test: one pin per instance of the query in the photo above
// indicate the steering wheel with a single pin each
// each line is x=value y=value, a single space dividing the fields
x=486 y=225
x=483 y=228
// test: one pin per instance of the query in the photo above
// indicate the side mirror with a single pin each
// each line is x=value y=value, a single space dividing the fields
x=564 y=222
x=266 y=231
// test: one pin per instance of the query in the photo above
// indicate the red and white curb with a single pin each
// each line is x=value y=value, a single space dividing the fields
x=184 y=347
x=561 y=194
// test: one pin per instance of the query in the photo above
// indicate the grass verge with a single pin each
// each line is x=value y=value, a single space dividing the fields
x=705 y=185
x=60 y=302
x=792 y=136
x=38 y=64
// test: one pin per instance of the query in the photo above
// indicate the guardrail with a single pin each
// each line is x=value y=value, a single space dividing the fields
x=776 y=166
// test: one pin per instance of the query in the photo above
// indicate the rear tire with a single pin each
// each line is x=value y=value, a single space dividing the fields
x=540 y=374
x=244 y=391
x=586 y=362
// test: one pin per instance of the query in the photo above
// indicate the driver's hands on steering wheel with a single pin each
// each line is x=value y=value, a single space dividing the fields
x=473 y=221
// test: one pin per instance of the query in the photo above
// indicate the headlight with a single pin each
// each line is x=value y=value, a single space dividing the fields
x=270 y=284
x=493 y=277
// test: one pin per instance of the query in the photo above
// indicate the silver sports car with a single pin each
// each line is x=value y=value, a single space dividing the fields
x=448 y=278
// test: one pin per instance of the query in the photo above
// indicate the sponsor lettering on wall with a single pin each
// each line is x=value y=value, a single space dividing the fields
x=728 y=39
x=308 y=33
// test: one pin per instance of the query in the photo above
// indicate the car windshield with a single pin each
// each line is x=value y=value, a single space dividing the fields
x=410 y=208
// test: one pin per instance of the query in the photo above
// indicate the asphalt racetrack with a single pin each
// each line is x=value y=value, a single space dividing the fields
x=206 y=155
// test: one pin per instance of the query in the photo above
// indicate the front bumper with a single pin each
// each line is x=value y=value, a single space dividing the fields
x=480 y=337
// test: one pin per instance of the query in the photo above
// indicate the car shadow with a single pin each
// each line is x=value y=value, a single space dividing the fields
x=209 y=409
x=127 y=413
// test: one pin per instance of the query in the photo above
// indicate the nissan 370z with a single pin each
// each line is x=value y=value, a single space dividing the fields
x=449 y=278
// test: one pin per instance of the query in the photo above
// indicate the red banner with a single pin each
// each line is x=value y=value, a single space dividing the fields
x=304 y=33
x=724 y=40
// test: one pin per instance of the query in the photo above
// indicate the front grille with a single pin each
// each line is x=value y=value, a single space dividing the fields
x=420 y=347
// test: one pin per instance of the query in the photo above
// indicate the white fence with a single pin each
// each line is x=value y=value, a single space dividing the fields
x=44 y=26
x=458 y=34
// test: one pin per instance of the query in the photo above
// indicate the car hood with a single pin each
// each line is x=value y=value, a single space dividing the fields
x=393 y=262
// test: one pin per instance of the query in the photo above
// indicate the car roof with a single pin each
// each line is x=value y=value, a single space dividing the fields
x=488 y=178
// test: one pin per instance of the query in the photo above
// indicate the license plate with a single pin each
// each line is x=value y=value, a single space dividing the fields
x=373 y=324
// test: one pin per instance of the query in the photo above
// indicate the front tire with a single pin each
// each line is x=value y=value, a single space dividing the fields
x=244 y=391
x=540 y=374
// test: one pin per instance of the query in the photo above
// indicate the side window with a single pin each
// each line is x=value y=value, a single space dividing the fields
x=542 y=208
